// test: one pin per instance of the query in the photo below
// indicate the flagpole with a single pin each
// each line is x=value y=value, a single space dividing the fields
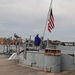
x=47 y=18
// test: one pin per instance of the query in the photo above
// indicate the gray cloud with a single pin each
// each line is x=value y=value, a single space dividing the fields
x=26 y=17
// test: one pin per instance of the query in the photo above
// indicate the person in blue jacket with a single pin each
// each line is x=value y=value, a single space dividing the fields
x=37 y=42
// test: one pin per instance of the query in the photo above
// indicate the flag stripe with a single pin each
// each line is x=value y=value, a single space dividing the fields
x=50 y=21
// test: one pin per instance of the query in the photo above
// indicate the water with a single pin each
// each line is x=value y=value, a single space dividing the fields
x=64 y=49
x=3 y=48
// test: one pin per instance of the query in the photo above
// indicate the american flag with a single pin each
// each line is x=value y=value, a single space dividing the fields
x=50 y=21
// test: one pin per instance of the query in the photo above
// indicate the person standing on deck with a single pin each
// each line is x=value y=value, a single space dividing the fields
x=37 y=42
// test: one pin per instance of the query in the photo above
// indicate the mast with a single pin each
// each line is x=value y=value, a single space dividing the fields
x=47 y=18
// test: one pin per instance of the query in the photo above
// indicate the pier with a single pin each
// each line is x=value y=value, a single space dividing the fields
x=12 y=67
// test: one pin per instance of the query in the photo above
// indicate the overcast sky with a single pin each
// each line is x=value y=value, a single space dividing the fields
x=28 y=17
